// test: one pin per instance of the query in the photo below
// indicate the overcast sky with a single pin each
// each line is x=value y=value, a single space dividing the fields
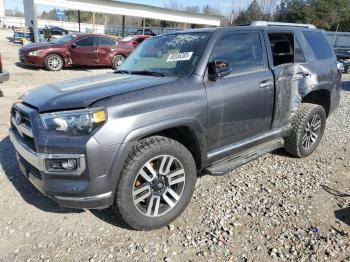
x=224 y=5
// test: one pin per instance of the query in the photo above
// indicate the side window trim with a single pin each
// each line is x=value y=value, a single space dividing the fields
x=262 y=43
x=296 y=40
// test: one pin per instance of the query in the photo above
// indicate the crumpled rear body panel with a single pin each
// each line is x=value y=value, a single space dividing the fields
x=293 y=82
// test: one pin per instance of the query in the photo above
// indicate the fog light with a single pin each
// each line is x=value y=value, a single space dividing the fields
x=69 y=164
x=61 y=165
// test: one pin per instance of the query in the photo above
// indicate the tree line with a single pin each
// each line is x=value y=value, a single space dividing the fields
x=326 y=14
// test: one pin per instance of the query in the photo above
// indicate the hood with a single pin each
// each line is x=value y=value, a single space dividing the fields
x=83 y=92
x=37 y=46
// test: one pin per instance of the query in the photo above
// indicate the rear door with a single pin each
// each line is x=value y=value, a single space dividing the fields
x=107 y=48
x=84 y=51
x=240 y=105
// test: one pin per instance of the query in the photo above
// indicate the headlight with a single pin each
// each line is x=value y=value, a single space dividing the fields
x=34 y=53
x=77 y=122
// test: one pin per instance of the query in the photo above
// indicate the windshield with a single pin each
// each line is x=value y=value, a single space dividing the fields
x=167 y=55
x=63 y=40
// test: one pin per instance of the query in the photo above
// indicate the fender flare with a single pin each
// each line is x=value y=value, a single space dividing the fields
x=136 y=134
x=189 y=122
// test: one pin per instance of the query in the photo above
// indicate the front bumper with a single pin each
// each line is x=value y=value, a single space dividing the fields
x=32 y=60
x=76 y=190
x=37 y=160
x=4 y=76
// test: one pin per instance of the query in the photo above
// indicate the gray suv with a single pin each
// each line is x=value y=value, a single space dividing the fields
x=183 y=104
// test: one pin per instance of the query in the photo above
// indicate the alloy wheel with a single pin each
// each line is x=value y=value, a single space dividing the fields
x=55 y=63
x=158 y=186
x=311 y=132
x=118 y=61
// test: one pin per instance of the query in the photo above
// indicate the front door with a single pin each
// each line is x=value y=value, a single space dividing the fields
x=84 y=51
x=240 y=105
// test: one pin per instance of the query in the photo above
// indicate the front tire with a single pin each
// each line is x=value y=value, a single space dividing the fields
x=156 y=184
x=308 y=125
x=54 y=62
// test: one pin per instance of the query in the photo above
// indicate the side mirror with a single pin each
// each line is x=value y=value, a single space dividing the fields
x=218 y=69
x=73 y=46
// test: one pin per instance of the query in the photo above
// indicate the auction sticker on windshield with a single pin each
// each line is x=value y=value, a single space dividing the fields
x=180 y=57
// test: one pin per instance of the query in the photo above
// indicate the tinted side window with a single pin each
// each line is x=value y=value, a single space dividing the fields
x=87 y=41
x=104 y=41
x=243 y=51
x=319 y=44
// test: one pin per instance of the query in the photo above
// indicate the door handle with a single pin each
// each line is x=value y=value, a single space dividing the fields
x=267 y=84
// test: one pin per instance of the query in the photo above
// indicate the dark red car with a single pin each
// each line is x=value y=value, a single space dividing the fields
x=76 y=49
x=135 y=40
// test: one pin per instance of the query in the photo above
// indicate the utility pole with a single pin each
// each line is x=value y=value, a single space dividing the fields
x=232 y=18
x=79 y=20
x=93 y=22
x=232 y=13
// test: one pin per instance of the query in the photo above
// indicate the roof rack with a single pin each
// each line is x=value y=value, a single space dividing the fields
x=265 y=23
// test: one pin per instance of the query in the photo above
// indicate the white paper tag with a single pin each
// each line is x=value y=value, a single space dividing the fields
x=180 y=57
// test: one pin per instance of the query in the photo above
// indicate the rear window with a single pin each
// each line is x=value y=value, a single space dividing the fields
x=104 y=41
x=319 y=45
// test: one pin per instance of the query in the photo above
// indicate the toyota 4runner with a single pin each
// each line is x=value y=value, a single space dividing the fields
x=207 y=100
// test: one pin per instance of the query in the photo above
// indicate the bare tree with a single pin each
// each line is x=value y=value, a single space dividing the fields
x=268 y=7
x=173 y=4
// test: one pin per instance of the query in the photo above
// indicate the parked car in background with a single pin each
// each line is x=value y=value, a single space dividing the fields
x=4 y=75
x=145 y=32
x=76 y=50
x=135 y=40
x=55 y=31
x=342 y=52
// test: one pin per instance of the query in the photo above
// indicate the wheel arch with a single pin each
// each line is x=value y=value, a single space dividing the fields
x=320 y=97
x=186 y=131
x=64 y=58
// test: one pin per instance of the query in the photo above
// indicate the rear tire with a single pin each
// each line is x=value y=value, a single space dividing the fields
x=117 y=61
x=308 y=126
x=54 y=62
x=148 y=200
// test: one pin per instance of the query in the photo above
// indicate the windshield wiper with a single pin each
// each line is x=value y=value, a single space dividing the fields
x=145 y=72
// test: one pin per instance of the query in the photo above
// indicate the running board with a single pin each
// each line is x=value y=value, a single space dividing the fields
x=221 y=167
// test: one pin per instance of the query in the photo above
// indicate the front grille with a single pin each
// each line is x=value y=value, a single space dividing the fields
x=22 y=125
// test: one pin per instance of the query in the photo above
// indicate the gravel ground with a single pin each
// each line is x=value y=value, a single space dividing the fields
x=275 y=208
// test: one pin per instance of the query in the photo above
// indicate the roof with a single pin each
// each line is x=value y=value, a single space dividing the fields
x=248 y=28
x=131 y=9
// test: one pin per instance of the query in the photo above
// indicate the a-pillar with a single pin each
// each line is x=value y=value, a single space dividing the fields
x=30 y=17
